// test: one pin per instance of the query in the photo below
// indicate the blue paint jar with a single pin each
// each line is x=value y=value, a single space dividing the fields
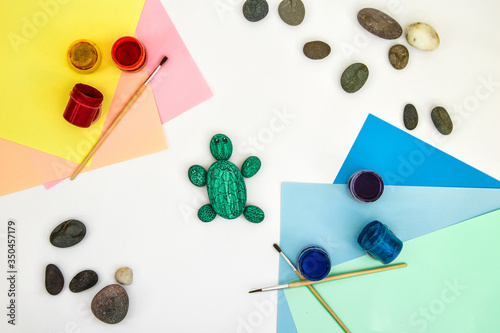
x=365 y=186
x=314 y=263
x=379 y=242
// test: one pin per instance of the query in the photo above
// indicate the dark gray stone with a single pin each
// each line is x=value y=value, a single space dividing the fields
x=255 y=10
x=442 y=120
x=68 y=233
x=110 y=305
x=316 y=50
x=410 y=117
x=83 y=281
x=354 y=77
x=54 y=280
x=399 y=56
x=292 y=12
x=379 y=23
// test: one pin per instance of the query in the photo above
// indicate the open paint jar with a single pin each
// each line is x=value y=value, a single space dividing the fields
x=129 y=54
x=313 y=262
x=84 y=106
x=380 y=242
x=84 y=56
x=365 y=186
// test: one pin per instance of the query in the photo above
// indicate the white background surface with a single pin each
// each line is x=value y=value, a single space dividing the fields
x=194 y=277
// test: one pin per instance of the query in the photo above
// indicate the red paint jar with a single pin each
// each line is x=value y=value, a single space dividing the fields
x=84 y=106
x=129 y=54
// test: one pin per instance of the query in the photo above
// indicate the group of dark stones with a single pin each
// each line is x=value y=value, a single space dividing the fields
x=419 y=35
x=109 y=305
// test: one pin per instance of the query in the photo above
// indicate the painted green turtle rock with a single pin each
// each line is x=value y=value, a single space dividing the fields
x=225 y=184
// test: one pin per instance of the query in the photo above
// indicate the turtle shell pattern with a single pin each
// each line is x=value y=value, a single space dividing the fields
x=226 y=189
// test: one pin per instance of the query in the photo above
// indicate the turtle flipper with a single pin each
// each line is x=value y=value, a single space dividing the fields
x=251 y=166
x=253 y=214
x=197 y=175
x=207 y=213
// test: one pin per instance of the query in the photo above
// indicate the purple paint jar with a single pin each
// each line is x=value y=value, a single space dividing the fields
x=365 y=186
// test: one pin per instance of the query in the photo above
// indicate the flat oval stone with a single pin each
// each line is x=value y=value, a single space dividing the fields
x=442 y=120
x=110 y=305
x=68 y=233
x=124 y=275
x=410 y=116
x=422 y=36
x=316 y=50
x=54 y=280
x=399 y=56
x=292 y=12
x=83 y=281
x=354 y=77
x=255 y=10
x=379 y=23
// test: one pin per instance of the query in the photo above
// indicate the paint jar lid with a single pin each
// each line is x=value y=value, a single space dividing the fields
x=365 y=186
x=314 y=263
x=129 y=54
x=84 y=56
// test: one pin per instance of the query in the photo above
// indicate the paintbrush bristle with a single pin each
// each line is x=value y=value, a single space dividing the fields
x=163 y=60
x=276 y=246
x=255 y=291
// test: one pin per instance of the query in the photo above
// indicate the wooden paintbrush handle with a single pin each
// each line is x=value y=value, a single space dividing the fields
x=325 y=305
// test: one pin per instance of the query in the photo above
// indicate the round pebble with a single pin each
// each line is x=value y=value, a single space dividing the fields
x=422 y=36
x=399 y=56
x=124 y=275
x=442 y=120
x=379 y=23
x=354 y=77
x=110 y=305
x=316 y=50
x=255 y=10
x=68 y=233
x=54 y=280
x=83 y=281
x=292 y=12
x=410 y=116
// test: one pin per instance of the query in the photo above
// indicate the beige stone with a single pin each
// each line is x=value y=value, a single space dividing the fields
x=124 y=275
x=422 y=36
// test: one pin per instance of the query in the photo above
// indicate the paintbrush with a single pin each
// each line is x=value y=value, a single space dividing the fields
x=330 y=278
x=311 y=288
x=119 y=117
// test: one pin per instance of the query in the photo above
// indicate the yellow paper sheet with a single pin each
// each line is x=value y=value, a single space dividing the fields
x=37 y=79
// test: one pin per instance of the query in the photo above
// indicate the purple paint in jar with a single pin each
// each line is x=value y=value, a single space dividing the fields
x=365 y=186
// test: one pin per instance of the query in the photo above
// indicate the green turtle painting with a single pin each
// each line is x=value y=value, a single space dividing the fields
x=225 y=184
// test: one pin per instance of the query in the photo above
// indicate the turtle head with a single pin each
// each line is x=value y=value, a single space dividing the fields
x=221 y=147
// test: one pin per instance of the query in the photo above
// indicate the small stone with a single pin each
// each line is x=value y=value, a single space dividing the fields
x=399 y=56
x=354 y=77
x=124 y=275
x=442 y=120
x=292 y=12
x=255 y=10
x=379 y=23
x=410 y=116
x=422 y=36
x=83 y=281
x=110 y=305
x=54 y=280
x=316 y=50
x=68 y=233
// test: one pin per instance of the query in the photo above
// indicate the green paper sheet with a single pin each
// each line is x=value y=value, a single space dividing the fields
x=451 y=284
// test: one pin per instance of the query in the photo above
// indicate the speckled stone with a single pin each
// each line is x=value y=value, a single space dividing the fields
x=54 y=280
x=83 y=281
x=379 y=23
x=442 y=120
x=124 y=275
x=292 y=12
x=316 y=50
x=410 y=116
x=399 y=56
x=68 y=233
x=110 y=305
x=354 y=77
x=255 y=10
x=422 y=36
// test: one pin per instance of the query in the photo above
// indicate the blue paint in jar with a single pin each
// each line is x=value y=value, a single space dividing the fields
x=314 y=263
x=365 y=186
x=379 y=242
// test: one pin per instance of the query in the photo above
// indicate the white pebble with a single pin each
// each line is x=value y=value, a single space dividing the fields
x=124 y=275
x=422 y=36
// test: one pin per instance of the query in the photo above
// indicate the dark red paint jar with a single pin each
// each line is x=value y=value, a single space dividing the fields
x=84 y=106
x=129 y=54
